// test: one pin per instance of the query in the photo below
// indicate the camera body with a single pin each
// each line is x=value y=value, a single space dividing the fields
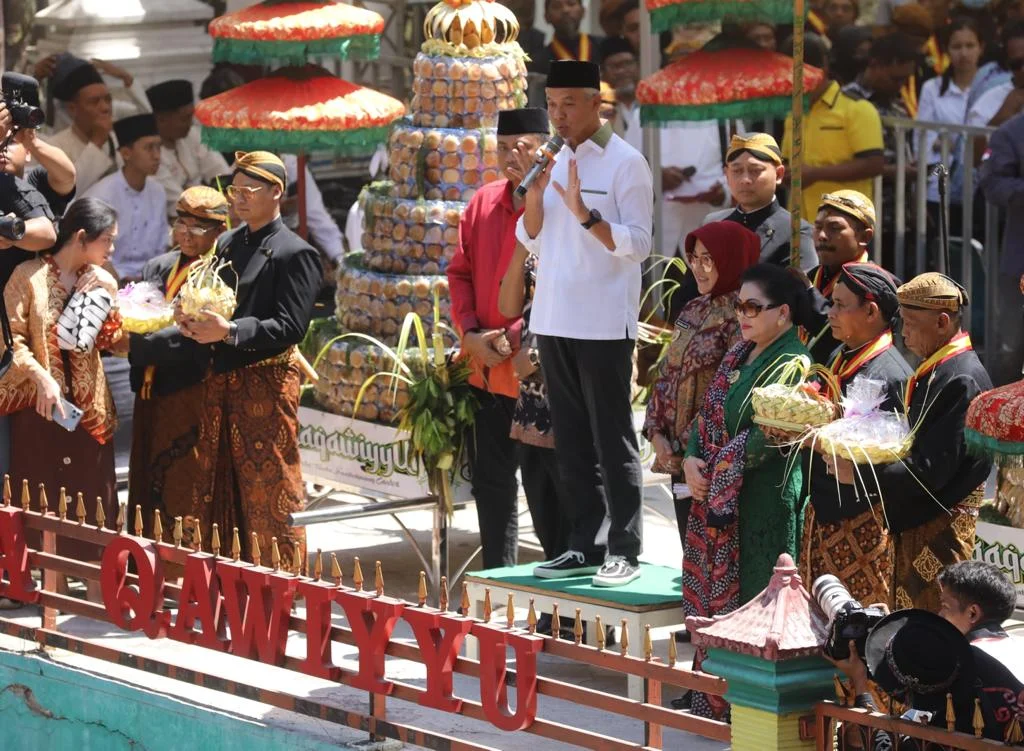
x=21 y=94
x=848 y=619
x=12 y=228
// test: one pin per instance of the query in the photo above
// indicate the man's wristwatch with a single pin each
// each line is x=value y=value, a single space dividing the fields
x=595 y=217
x=533 y=357
x=232 y=336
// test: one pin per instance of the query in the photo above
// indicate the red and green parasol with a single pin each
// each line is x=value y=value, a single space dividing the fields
x=292 y=31
x=668 y=13
x=299 y=110
x=995 y=425
x=722 y=84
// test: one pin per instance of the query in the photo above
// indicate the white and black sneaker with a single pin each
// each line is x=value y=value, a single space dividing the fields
x=616 y=571
x=569 y=563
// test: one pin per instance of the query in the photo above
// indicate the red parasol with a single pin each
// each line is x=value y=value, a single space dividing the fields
x=721 y=85
x=291 y=31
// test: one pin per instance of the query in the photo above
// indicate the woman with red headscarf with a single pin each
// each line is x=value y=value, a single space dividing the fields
x=718 y=253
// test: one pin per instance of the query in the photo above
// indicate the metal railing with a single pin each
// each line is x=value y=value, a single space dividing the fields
x=956 y=146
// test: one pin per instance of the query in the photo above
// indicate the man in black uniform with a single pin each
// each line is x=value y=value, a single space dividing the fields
x=844 y=533
x=932 y=497
x=754 y=171
x=843 y=230
x=248 y=444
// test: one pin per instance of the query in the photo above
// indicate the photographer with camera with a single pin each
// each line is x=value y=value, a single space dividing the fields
x=53 y=174
x=919 y=657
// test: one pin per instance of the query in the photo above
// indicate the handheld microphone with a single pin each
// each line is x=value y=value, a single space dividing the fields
x=545 y=154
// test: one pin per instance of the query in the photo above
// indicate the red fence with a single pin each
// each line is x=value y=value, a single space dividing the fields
x=245 y=609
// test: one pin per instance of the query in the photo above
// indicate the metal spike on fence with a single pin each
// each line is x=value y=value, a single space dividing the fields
x=624 y=641
x=510 y=611
x=464 y=600
x=336 y=569
x=673 y=652
x=318 y=565
x=44 y=505
x=101 y=515
x=599 y=628
x=275 y=554
x=7 y=490
x=297 y=559
x=178 y=533
x=236 y=545
x=138 y=521
x=80 y=509
x=215 y=540
x=442 y=597
x=487 y=605
x=577 y=628
x=197 y=536
x=254 y=550
x=950 y=714
x=62 y=505
x=556 y=622
x=357 y=574
x=421 y=589
x=648 y=644
x=531 y=618
x=378 y=578
x=838 y=687
x=119 y=521
x=302 y=555
x=158 y=526
x=979 y=720
x=26 y=499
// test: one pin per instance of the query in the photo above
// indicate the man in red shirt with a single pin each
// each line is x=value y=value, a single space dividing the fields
x=489 y=339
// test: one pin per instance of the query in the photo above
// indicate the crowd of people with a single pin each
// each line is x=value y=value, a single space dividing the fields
x=546 y=292
x=206 y=408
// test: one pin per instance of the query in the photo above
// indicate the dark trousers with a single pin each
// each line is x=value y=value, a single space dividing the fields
x=493 y=461
x=589 y=393
x=546 y=498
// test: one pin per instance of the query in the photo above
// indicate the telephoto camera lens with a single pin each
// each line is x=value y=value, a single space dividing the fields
x=12 y=228
x=831 y=595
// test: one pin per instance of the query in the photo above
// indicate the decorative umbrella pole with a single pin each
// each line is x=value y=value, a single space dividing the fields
x=797 y=145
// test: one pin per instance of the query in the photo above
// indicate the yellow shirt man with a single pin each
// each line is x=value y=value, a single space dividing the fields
x=837 y=130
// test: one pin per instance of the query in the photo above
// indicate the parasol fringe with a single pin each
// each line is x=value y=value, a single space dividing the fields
x=253 y=52
x=681 y=13
x=358 y=142
x=665 y=114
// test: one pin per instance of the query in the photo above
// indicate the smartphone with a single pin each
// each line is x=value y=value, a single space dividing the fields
x=72 y=415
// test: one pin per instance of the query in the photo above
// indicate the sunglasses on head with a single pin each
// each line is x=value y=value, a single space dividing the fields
x=752 y=308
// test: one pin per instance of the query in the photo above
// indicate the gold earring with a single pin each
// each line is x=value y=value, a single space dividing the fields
x=780 y=323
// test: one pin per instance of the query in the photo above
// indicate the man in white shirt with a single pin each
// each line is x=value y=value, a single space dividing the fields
x=591 y=231
x=184 y=160
x=323 y=230
x=137 y=196
x=90 y=105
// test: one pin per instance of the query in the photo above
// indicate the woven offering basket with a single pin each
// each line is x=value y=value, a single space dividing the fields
x=797 y=402
x=146 y=324
x=861 y=451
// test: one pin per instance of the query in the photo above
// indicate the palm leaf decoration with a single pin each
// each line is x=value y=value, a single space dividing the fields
x=441 y=409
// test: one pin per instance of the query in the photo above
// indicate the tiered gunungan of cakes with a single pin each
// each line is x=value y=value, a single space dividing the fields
x=470 y=67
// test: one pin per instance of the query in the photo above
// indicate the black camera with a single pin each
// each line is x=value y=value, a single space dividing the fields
x=21 y=94
x=848 y=619
x=12 y=228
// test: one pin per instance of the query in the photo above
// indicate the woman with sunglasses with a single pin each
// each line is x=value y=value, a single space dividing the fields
x=707 y=328
x=745 y=498
x=167 y=371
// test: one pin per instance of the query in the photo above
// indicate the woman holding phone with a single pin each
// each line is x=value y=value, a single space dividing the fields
x=62 y=415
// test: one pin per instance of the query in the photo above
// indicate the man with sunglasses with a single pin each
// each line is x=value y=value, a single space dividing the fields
x=249 y=474
x=931 y=497
x=167 y=371
x=844 y=534
x=843 y=228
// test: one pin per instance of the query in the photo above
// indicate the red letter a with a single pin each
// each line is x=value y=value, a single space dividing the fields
x=14 y=557
x=440 y=636
x=200 y=600
x=372 y=619
x=494 y=689
x=258 y=604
